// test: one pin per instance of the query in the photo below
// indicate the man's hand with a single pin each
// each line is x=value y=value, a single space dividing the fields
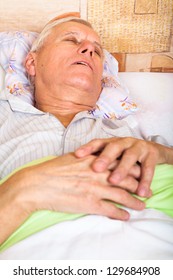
x=64 y=184
x=72 y=186
x=131 y=152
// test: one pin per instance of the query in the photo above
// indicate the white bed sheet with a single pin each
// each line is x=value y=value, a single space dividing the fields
x=148 y=235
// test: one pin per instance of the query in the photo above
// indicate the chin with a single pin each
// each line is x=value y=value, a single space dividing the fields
x=83 y=83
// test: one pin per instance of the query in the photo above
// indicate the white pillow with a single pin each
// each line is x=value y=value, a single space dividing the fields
x=154 y=94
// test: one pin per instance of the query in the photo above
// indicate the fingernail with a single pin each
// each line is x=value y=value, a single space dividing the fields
x=126 y=216
x=144 y=192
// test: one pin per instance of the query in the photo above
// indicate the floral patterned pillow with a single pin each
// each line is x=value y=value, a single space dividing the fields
x=114 y=101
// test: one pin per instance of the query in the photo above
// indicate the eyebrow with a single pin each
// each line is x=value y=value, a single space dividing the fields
x=76 y=33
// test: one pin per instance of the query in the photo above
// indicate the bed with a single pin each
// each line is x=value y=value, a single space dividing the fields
x=149 y=233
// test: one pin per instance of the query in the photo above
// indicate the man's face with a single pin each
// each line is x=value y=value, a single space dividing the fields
x=71 y=56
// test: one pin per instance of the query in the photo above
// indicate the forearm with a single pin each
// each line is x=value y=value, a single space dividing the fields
x=14 y=208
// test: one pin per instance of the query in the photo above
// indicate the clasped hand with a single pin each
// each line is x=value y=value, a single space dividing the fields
x=131 y=160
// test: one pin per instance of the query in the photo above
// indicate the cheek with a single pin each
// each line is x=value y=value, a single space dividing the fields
x=98 y=79
x=51 y=57
x=51 y=68
x=99 y=66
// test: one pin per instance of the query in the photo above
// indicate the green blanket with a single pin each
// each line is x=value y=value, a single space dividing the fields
x=162 y=200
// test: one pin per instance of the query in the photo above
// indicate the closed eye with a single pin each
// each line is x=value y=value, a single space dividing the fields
x=98 y=52
x=71 y=39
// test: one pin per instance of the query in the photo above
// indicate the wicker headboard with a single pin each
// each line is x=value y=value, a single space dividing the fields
x=138 y=33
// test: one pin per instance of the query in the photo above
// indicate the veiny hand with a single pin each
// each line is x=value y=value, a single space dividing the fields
x=65 y=184
x=130 y=151
x=72 y=186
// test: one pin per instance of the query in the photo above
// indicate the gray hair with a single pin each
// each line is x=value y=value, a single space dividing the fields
x=38 y=43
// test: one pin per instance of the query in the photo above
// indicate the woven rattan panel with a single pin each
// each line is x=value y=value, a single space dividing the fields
x=33 y=14
x=132 y=26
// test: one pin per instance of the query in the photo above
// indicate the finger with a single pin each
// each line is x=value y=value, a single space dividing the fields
x=109 y=155
x=110 y=210
x=130 y=184
x=135 y=170
x=120 y=196
x=128 y=160
x=147 y=173
x=126 y=199
x=92 y=147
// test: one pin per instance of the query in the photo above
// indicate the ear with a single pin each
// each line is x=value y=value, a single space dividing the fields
x=30 y=63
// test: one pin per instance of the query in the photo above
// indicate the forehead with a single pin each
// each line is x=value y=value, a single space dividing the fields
x=75 y=28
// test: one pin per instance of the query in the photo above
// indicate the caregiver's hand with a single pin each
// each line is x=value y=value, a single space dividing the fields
x=65 y=184
x=130 y=151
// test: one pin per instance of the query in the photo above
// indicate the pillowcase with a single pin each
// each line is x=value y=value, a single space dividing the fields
x=114 y=101
x=14 y=47
x=2 y=77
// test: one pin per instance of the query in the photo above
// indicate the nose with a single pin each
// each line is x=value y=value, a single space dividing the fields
x=87 y=48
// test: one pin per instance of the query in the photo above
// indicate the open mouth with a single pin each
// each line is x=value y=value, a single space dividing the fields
x=81 y=62
x=84 y=63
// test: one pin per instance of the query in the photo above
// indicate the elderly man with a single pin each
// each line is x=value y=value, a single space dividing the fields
x=66 y=64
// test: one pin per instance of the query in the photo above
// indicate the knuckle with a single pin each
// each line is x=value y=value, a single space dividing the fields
x=104 y=157
x=114 y=147
x=148 y=169
x=125 y=196
x=95 y=140
x=135 y=171
x=127 y=141
x=129 y=154
x=154 y=152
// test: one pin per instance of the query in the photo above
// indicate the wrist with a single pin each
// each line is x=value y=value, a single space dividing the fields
x=13 y=209
x=166 y=155
x=15 y=193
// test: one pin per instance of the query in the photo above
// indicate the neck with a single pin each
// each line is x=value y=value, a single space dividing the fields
x=65 y=111
x=64 y=102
